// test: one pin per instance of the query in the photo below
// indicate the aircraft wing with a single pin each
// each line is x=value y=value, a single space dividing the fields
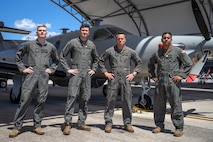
x=12 y=30
x=195 y=71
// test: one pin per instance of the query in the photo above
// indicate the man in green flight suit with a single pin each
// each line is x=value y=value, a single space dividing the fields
x=40 y=53
x=173 y=65
x=119 y=77
x=84 y=60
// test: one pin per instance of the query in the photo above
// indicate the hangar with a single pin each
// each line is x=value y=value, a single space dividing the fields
x=144 y=17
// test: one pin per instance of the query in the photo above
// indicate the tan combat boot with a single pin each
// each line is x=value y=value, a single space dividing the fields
x=108 y=129
x=129 y=128
x=84 y=127
x=14 y=133
x=178 y=133
x=39 y=131
x=67 y=129
x=157 y=130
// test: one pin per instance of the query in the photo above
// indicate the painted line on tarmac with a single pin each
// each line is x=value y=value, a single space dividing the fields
x=187 y=116
x=144 y=110
x=199 y=117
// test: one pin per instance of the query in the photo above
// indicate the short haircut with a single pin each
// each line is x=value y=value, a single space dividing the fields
x=119 y=33
x=41 y=25
x=167 y=33
x=85 y=26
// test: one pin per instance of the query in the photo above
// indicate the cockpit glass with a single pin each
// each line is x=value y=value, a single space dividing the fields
x=115 y=30
x=102 y=34
x=108 y=33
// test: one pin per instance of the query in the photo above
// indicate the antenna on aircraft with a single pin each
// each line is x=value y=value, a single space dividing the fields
x=1 y=24
x=64 y=30
x=97 y=22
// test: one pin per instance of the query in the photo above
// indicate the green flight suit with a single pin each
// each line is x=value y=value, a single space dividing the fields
x=84 y=57
x=39 y=57
x=174 y=63
x=120 y=64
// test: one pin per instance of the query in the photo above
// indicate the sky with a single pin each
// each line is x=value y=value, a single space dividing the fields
x=27 y=14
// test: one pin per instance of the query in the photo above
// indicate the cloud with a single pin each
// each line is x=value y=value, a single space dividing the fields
x=48 y=25
x=28 y=24
x=32 y=35
x=29 y=37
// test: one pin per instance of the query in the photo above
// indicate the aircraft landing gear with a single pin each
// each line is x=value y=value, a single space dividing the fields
x=13 y=97
x=144 y=101
x=3 y=83
x=15 y=92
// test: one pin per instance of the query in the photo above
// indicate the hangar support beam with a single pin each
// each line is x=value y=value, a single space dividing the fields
x=126 y=6
x=73 y=10
x=131 y=10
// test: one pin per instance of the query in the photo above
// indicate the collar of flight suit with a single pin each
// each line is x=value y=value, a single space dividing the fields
x=45 y=42
x=83 y=43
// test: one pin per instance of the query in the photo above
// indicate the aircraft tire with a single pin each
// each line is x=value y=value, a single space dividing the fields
x=3 y=83
x=147 y=104
x=13 y=98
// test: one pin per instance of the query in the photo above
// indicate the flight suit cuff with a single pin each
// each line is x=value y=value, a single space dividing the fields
x=183 y=75
x=52 y=71
x=134 y=73
x=103 y=71
x=93 y=69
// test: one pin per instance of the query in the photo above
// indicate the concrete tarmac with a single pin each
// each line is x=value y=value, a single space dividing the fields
x=197 y=107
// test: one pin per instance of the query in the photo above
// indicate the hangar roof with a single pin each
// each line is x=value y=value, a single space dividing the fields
x=142 y=17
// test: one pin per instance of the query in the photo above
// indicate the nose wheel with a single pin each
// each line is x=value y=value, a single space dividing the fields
x=145 y=102
x=3 y=83
x=15 y=97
